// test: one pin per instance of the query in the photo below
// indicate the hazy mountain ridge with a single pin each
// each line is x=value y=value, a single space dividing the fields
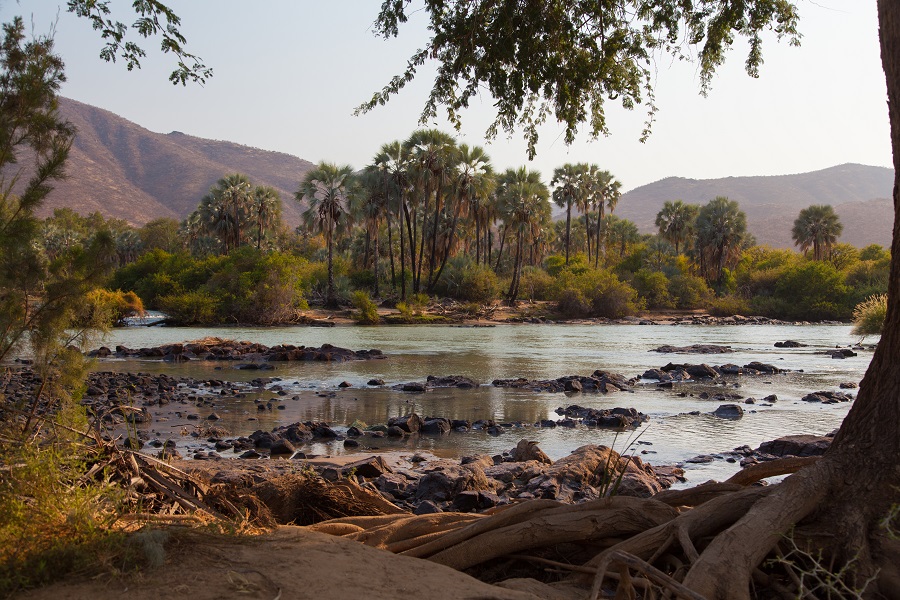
x=126 y=171
x=858 y=193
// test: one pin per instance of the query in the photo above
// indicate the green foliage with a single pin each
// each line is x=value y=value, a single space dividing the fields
x=808 y=291
x=595 y=293
x=727 y=306
x=689 y=291
x=414 y=307
x=653 y=287
x=466 y=281
x=869 y=316
x=367 y=310
x=874 y=252
x=537 y=284
x=247 y=286
x=571 y=78
x=112 y=306
x=817 y=227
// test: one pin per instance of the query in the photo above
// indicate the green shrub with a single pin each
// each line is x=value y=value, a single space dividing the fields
x=190 y=308
x=464 y=280
x=536 y=284
x=367 y=310
x=812 y=291
x=653 y=287
x=728 y=306
x=868 y=316
x=689 y=291
x=596 y=293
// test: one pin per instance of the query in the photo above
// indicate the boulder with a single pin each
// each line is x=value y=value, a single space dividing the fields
x=796 y=445
x=437 y=426
x=729 y=411
x=410 y=423
x=527 y=450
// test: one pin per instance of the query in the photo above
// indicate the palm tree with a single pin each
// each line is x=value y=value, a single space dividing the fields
x=472 y=183
x=224 y=211
x=721 y=230
x=606 y=193
x=818 y=227
x=620 y=233
x=265 y=211
x=567 y=181
x=676 y=222
x=326 y=190
x=431 y=156
x=524 y=201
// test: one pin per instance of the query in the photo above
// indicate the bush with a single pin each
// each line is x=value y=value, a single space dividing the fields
x=367 y=310
x=812 y=291
x=112 y=307
x=689 y=291
x=536 y=284
x=653 y=287
x=464 y=280
x=728 y=306
x=868 y=316
x=191 y=308
x=595 y=293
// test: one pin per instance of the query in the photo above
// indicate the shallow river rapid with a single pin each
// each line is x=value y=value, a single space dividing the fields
x=534 y=352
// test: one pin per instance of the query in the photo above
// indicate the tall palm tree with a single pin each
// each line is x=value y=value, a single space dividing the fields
x=431 y=154
x=721 y=230
x=818 y=227
x=567 y=183
x=606 y=193
x=326 y=190
x=676 y=222
x=524 y=200
x=265 y=211
x=620 y=232
x=225 y=210
x=472 y=182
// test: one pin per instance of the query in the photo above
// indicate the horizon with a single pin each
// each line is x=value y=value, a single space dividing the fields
x=812 y=107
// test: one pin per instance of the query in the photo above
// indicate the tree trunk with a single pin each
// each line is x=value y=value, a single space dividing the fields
x=568 y=228
x=401 y=233
x=856 y=483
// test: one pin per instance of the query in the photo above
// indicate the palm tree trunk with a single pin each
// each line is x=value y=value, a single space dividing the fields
x=375 y=260
x=500 y=251
x=450 y=237
x=568 y=228
x=391 y=247
x=402 y=233
x=434 y=230
x=587 y=233
x=477 y=239
x=418 y=278
x=599 y=221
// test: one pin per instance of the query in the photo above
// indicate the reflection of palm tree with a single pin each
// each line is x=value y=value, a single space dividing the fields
x=326 y=190
x=265 y=210
x=818 y=227
x=676 y=222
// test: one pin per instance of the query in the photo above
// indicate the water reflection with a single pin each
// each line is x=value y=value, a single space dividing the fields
x=532 y=351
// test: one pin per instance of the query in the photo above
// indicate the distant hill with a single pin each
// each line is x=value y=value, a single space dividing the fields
x=126 y=171
x=859 y=194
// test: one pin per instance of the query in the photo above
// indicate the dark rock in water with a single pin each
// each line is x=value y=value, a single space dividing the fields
x=375 y=382
x=250 y=454
x=410 y=423
x=348 y=443
x=763 y=368
x=701 y=459
x=213 y=417
x=729 y=411
x=458 y=424
x=796 y=445
x=843 y=353
x=457 y=381
x=694 y=371
x=573 y=385
x=694 y=349
x=827 y=397
x=354 y=432
x=771 y=398
x=436 y=426
x=263 y=439
x=848 y=385
x=394 y=431
x=495 y=430
x=345 y=384
x=412 y=387
x=371 y=467
x=616 y=417
x=547 y=423
x=282 y=446
x=789 y=344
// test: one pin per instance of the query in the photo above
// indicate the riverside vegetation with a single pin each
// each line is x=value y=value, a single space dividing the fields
x=65 y=490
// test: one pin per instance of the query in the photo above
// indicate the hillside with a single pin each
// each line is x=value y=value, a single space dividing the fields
x=126 y=171
x=858 y=193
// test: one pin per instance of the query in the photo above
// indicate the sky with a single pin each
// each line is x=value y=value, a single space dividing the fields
x=288 y=74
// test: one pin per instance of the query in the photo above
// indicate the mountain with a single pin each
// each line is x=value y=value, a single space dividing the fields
x=859 y=194
x=126 y=171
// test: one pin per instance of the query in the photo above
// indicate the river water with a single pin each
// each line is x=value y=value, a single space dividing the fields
x=534 y=352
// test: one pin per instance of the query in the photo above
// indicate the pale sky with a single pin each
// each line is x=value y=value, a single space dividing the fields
x=288 y=74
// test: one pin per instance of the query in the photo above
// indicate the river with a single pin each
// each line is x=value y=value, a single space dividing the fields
x=543 y=351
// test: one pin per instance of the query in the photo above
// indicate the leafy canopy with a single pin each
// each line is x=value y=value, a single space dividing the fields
x=566 y=58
